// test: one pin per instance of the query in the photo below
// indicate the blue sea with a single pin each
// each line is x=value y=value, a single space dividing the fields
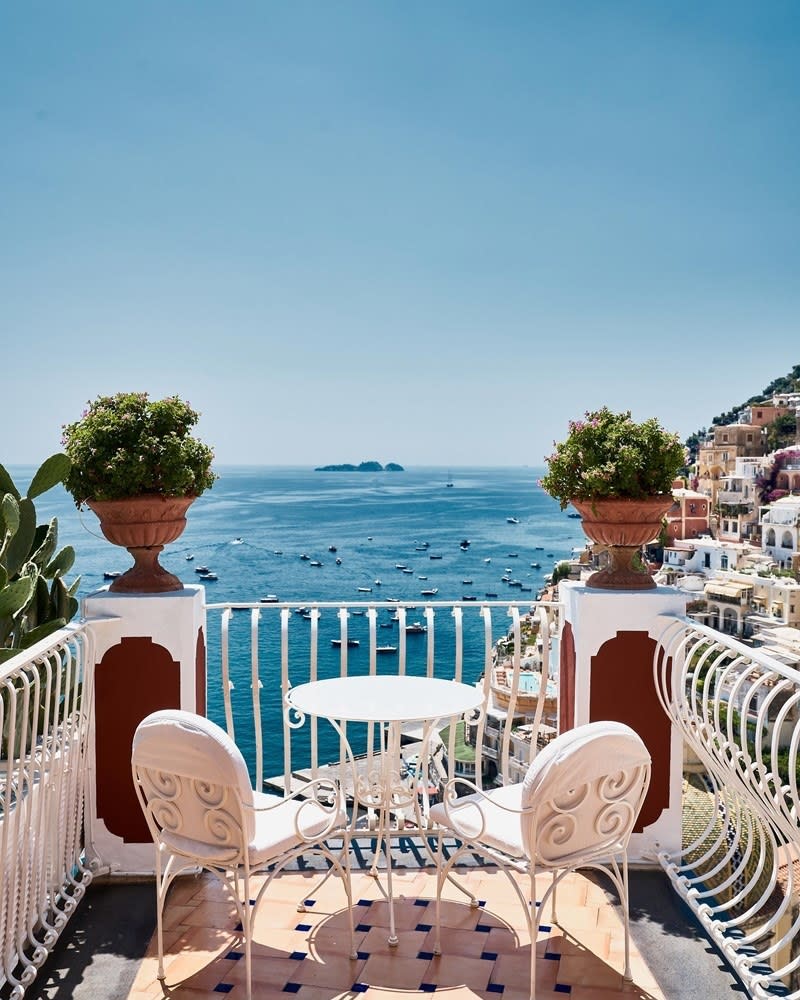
x=253 y=526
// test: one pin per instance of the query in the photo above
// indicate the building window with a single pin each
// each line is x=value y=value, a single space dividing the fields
x=724 y=561
x=707 y=560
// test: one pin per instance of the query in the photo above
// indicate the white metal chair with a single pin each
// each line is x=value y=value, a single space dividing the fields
x=202 y=811
x=576 y=808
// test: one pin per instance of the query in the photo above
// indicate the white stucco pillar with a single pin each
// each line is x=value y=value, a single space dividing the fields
x=150 y=654
x=606 y=672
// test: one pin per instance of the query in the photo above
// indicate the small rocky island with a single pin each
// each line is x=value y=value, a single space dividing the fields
x=362 y=467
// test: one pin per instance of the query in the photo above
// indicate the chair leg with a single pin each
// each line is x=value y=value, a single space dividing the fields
x=627 y=975
x=534 y=928
x=440 y=880
x=247 y=927
x=160 y=893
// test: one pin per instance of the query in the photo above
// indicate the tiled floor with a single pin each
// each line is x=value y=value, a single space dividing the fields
x=485 y=951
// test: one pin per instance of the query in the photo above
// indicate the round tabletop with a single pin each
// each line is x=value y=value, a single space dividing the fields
x=374 y=698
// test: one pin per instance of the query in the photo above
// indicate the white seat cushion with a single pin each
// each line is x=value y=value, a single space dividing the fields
x=482 y=816
x=276 y=827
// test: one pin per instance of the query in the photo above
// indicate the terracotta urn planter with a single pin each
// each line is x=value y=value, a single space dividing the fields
x=623 y=526
x=143 y=525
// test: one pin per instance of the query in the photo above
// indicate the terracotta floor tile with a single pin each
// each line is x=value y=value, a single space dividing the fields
x=459 y=970
x=186 y=887
x=409 y=944
x=587 y=970
x=269 y=971
x=201 y=928
x=210 y=913
x=335 y=973
x=394 y=972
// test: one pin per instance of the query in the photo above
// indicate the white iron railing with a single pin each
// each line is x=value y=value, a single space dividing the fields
x=739 y=869
x=264 y=649
x=45 y=694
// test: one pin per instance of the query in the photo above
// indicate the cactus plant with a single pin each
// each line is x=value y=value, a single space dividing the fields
x=34 y=599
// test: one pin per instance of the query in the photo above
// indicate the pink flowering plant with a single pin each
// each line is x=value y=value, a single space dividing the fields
x=610 y=455
x=128 y=445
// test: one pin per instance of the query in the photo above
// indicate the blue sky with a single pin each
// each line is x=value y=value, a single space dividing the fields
x=421 y=232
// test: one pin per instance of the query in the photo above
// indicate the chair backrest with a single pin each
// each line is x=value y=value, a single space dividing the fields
x=583 y=792
x=193 y=783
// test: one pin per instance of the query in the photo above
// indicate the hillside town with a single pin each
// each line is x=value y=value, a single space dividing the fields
x=732 y=537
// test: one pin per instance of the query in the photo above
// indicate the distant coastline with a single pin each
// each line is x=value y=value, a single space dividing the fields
x=361 y=467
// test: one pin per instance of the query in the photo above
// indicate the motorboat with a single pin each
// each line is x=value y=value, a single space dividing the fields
x=331 y=548
x=512 y=520
x=430 y=593
x=489 y=594
x=377 y=583
x=111 y=574
x=351 y=643
x=189 y=557
x=304 y=557
x=209 y=576
x=315 y=562
x=467 y=583
x=269 y=599
x=468 y=597
x=386 y=649
x=338 y=561
x=513 y=555
x=365 y=590
x=464 y=544
x=415 y=628
x=536 y=565
x=407 y=569
x=201 y=569
x=434 y=557
x=400 y=566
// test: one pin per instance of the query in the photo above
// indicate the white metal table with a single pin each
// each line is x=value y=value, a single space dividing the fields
x=389 y=701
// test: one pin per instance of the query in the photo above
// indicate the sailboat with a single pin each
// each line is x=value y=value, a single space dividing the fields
x=449 y=479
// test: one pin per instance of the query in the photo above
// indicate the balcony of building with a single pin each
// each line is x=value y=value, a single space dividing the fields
x=718 y=903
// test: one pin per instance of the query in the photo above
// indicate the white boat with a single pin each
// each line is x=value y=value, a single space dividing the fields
x=386 y=649
x=430 y=593
x=315 y=562
x=350 y=642
x=407 y=569
x=365 y=590
x=377 y=583
x=209 y=576
x=512 y=520
x=467 y=583
x=415 y=628
x=189 y=557
x=400 y=566
x=269 y=599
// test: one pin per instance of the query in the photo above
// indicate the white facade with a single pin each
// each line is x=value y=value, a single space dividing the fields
x=780 y=530
x=706 y=556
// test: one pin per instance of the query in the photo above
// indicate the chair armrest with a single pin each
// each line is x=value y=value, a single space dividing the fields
x=466 y=815
x=320 y=809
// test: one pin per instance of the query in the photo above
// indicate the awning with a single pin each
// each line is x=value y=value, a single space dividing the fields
x=727 y=589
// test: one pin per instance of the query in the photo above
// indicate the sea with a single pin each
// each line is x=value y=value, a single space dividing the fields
x=253 y=526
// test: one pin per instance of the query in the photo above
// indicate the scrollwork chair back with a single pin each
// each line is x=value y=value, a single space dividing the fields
x=194 y=788
x=576 y=807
